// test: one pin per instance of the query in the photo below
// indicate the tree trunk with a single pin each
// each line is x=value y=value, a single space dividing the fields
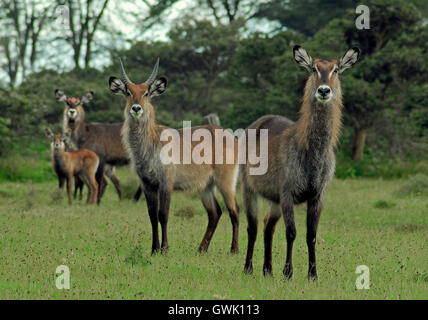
x=358 y=143
x=76 y=55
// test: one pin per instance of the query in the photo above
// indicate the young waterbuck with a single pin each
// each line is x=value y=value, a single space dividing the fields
x=301 y=159
x=82 y=163
x=109 y=171
x=104 y=139
x=141 y=137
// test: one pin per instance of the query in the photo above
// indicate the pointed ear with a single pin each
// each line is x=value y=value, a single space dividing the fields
x=158 y=87
x=59 y=95
x=302 y=58
x=349 y=58
x=117 y=86
x=49 y=133
x=87 y=97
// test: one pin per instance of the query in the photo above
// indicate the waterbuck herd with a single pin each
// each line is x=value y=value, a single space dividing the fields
x=301 y=158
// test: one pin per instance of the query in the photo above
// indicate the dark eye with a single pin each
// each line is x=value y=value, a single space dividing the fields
x=146 y=94
x=335 y=70
x=314 y=69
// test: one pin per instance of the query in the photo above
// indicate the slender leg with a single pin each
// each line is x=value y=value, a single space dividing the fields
x=250 y=206
x=94 y=189
x=80 y=191
x=111 y=173
x=233 y=208
x=69 y=179
x=214 y=213
x=165 y=198
x=116 y=184
x=270 y=223
x=99 y=176
x=234 y=219
x=152 y=198
x=290 y=229
x=86 y=180
x=104 y=185
x=312 y=218
x=61 y=183
x=90 y=195
x=77 y=183
x=138 y=194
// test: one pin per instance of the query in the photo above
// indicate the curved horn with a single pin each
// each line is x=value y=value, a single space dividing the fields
x=152 y=77
x=123 y=75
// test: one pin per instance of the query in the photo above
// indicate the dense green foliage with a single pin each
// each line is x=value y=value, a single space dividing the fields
x=222 y=68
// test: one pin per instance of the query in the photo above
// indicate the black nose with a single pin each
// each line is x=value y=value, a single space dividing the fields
x=323 y=91
x=136 y=108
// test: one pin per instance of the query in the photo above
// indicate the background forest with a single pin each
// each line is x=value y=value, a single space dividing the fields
x=231 y=57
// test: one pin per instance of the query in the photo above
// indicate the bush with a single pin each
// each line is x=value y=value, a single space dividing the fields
x=383 y=204
x=417 y=185
x=186 y=212
x=375 y=167
x=19 y=168
x=137 y=257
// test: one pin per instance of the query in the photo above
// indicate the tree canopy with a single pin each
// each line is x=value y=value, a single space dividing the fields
x=218 y=65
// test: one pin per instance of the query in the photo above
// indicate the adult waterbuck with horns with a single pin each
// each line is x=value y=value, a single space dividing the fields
x=141 y=135
x=301 y=159
x=102 y=138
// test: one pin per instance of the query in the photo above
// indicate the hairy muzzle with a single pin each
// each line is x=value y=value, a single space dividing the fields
x=323 y=93
x=72 y=113
x=136 y=110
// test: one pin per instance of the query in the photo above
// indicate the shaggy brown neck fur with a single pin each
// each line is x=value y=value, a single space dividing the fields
x=58 y=159
x=140 y=136
x=74 y=125
x=309 y=119
x=151 y=128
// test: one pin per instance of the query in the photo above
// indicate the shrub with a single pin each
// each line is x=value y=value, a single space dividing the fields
x=136 y=257
x=383 y=204
x=416 y=185
x=23 y=168
x=186 y=212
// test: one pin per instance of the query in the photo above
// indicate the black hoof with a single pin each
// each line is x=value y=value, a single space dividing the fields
x=164 y=250
x=155 y=251
x=267 y=270
x=312 y=273
x=312 y=276
x=248 y=269
x=202 y=250
x=288 y=272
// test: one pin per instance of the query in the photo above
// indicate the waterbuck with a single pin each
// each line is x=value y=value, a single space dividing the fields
x=141 y=137
x=82 y=163
x=102 y=138
x=109 y=171
x=301 y=159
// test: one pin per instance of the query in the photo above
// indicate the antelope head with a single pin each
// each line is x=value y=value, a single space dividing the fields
x=323 y=82
x=73 y=105
x=58 y=140
x=138 y=96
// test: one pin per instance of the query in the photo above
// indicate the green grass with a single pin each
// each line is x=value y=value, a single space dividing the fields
x=18 y=168
x=107 y=248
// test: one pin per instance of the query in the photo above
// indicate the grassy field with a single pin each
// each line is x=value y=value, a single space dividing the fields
x=107 y=248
